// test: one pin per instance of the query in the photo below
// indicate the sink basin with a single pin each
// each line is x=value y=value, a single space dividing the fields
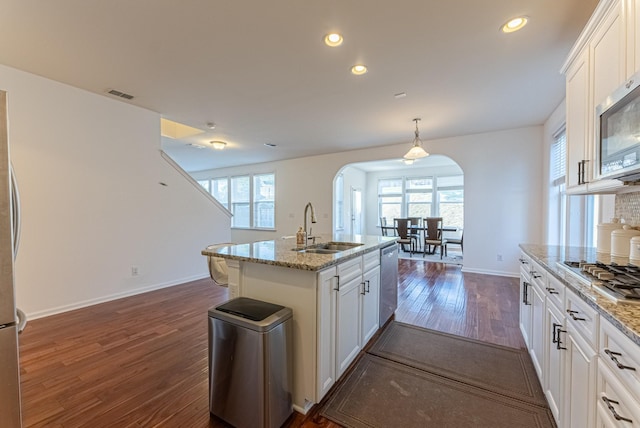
x=319 y=251
x=340 y=246
x=329 y=247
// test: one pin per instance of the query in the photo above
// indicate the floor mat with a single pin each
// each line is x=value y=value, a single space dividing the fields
x=503 y=370
x=380 y=393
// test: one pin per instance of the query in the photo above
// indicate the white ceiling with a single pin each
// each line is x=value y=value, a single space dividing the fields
x=260 y=70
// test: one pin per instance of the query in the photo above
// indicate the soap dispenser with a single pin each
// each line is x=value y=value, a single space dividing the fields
x=300 y=237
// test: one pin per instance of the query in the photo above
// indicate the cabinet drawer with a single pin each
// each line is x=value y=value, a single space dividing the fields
x=582 y=318
x=555 y=291
x=370 y=260
x=615 y=405
x=350 y=269
x=622 y=356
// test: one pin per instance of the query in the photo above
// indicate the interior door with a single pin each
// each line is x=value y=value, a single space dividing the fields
x=356 y=211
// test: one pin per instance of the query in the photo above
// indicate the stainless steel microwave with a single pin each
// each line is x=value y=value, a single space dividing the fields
x=618 y=133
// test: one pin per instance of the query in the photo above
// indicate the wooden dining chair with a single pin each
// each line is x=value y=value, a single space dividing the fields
x=457 y=241
x=383 y=226
x=402 y=229
x=415 y=224
x=433 y=236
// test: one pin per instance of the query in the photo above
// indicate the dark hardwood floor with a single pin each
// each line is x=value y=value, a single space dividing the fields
x=142 y=361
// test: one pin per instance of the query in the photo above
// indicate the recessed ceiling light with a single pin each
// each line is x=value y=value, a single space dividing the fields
x=400 y=95
x=218 y=145
x=196 y=146
x=333 y=39
x=359 y=69
x=269 y=144
x=515 y=24
x=211 y=125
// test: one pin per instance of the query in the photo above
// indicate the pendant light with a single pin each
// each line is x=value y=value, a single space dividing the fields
x=416 y=151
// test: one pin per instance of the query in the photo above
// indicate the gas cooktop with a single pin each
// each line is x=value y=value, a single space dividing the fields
x=620 y=283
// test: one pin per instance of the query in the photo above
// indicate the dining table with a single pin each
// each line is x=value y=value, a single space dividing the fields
x=416 y=230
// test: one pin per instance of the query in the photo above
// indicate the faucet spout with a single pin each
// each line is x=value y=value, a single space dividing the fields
x=313 y=220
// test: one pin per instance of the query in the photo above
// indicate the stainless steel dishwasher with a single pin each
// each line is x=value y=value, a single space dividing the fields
x=388 y=282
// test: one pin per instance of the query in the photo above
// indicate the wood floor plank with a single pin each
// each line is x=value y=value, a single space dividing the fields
x=142 y=361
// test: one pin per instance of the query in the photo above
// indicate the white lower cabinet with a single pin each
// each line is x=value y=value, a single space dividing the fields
x=618 y=388
x=348 y=305
x=555 y=347
x=326 y=363
x=370 y=305
x=581 y=362
x=536 y=349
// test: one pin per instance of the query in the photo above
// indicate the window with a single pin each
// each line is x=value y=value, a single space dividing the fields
x=423 y=197
x=571 y=219
x=264 y=192
x=250 y=198
x=557 y=197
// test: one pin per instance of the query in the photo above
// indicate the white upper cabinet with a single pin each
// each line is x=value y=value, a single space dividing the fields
x=578 y=123
x=599 y=63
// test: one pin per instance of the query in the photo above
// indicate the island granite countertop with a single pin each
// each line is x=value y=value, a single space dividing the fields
x=625 y=316
x=282 y=252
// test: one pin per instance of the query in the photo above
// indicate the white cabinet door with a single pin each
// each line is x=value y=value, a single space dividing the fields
x=347 y=324
x=580 y=376
x=370 y=305
x=537 y=331
x=526 y=310
x=578 y=123
x=555 y=348
x=326 y=361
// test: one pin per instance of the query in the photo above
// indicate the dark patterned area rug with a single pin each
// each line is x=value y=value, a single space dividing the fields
x=500 y=369
x=423 y=378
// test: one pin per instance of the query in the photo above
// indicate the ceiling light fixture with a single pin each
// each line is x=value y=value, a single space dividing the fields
x=416 y=151
x=333 y=39
x=514 y=24
x=211 y=125
x=270 y=144
x=359 y=69
x=218 y=145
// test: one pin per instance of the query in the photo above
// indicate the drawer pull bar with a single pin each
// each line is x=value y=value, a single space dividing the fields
x=337 y=277
x=523 y=261
x=572 y=314
x=525 y=293
x=535 y=274
x=613 y=356
x=364 y=288
x=552 y=290
x=368 y=284
x=612 y=409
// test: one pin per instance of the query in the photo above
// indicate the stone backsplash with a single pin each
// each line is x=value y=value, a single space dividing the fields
x=628 y=207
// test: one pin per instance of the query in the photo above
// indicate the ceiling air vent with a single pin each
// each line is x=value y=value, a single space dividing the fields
x=120 y=94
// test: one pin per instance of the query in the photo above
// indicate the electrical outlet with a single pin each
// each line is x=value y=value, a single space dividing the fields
x=499 y=257
x=135 y=271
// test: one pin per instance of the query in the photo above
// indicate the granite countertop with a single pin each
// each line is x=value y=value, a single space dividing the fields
x=625 y=316
x=282 y=252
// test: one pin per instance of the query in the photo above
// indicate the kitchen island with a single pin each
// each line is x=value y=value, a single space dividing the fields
x=334 y=298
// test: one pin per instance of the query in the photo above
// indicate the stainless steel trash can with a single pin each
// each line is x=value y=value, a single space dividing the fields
x=250 y=363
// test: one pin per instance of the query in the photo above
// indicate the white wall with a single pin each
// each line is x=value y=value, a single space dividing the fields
x=89 y=169
x=502 y=175
x=355 y=178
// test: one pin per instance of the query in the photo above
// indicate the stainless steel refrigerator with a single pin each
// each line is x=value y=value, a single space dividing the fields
x=11 y=320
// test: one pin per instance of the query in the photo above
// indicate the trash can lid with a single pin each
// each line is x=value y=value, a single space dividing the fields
x=252 y=309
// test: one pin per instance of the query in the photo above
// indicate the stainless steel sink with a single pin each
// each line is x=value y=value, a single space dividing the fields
x=319 y=251
x=329 y=247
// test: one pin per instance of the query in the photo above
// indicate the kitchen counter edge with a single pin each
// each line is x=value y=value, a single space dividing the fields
x=282 y=252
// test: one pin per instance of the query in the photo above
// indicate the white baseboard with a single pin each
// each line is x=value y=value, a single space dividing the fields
x=490 y=272
x=103 y=299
